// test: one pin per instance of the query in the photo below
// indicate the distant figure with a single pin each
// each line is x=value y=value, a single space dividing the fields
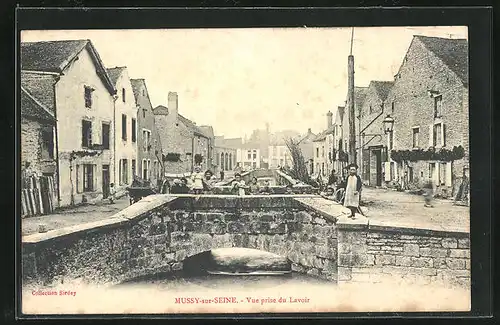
x=197 y=180
x=221 y=175
x=254 y=186
x=428 y=194
x=289 y=189
x=332 y=180
x=239 y=185
x=353 y=190
x=266 y=189
x=208 y=182
x=112 y=193
x=328 y=194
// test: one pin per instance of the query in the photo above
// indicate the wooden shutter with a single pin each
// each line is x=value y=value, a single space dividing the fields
x=94 y=172
x=449 y=167
x=431 y=135
x=96 y=133
x=79 y=178
x=443 y=134
x=387 y=171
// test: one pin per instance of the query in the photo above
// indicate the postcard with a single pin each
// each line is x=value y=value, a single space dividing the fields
x=251 y=170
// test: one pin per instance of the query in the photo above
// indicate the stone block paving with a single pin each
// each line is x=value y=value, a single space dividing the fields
x=392 y=208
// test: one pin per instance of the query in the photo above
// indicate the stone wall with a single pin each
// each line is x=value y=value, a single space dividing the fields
x=156 y=234
x=373 y=253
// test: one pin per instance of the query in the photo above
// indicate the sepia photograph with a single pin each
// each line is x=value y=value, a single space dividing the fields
x=244 y=170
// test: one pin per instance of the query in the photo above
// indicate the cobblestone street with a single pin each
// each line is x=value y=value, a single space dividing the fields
x=73 y=216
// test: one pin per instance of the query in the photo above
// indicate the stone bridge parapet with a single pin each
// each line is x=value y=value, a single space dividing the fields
x=156 y=234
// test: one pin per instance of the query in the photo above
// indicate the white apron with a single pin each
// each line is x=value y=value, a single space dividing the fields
x=351 y=199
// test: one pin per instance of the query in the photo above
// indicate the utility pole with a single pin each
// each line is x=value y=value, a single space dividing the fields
x=350 y=101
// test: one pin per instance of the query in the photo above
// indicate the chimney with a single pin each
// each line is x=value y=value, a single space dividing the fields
x=309 y=131
x=173 y=104
x=329 y=119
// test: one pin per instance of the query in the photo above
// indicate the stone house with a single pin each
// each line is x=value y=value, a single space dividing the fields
x=279 y=155
x=372 y=153
x=225 y=153
x=38 y=130
x=83 y=97
x=248 y=156
x=322 y=149
x=184 y=143
x=306 y=146
x=125 y=126
x=149 y=150
x=429 y=104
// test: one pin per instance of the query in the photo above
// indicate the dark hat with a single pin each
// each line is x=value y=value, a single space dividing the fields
x=352 y=165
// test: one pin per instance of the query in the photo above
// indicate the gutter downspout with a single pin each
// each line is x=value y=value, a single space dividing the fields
x=115 y=97
x=57 y=78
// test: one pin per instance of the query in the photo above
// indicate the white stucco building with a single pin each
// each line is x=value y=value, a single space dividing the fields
x=84 y=101
x=125 y=144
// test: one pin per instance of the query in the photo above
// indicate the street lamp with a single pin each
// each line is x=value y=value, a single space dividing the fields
x=388 y=124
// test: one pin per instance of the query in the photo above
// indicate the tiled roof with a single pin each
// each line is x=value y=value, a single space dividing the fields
x=322 y=136
x=453 y=53
x=40 y=86
x=55 y=56
x=114 y=73
x=190 y=125
x=136 y=87
x=359 y=96
x=208 y=130
x=382 y=88
x=233 y=143
x=31 y=107
x=49 y=56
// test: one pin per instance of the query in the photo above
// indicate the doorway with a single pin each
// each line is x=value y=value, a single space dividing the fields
x=105 y=181
x=378 y=166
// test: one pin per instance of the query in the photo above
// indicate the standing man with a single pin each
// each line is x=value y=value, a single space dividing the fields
x=239 y=185
x=221 y=174
x=353 y=190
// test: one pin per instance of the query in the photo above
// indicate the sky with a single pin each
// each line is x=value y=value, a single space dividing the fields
x=238 y=79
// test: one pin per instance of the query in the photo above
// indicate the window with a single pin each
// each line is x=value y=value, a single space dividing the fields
x=134 y=131
x=88 y=96
x=143 y=92
x=124 y=127
x=146 y=136
x=323 y=168
x=86 y=134
x=123 y=171
x=416 y=133
x=145 y=169
x=317 y=152
x=149 y=169
x=144 y=113
x=133 y=168
x=47 y=137
x=438 y=107
x=437 y=135
x=410 y=174
x=88 y=178
x=105 y=135
x=323 y=151
x=123 y=95
x=392 y=107
x=371 y=109
x=155 y=168
x=249 y=154
x=254 y=156
x=442 y=173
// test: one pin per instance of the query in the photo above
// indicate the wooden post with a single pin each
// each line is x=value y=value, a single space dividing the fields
x=352 y=115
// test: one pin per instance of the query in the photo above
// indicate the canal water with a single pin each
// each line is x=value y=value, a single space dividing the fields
x=195 y=290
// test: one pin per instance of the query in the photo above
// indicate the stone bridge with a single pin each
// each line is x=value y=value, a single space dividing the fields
x=156 y=234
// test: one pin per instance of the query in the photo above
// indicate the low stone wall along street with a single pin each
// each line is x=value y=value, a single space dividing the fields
x=374 y=253
x=157 y=234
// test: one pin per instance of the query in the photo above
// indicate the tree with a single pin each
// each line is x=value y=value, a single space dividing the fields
x=299 y=168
